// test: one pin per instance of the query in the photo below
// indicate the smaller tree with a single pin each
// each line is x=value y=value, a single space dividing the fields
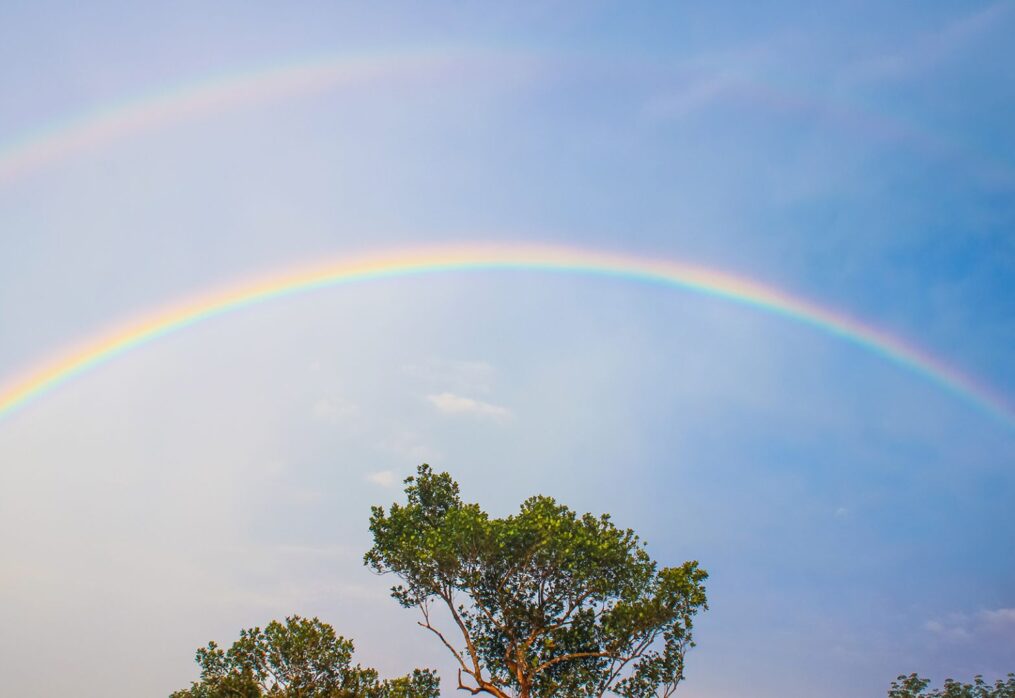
x=298 y=659
x=913 y=686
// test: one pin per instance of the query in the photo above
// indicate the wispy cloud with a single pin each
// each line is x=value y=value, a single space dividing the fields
x=705 y=79
x=999 y=617
x=384 y=478
x=934 y=47
x=696 y=95
x=449 y=403
x=966 y=627
x=408 y=444
x=471 y=376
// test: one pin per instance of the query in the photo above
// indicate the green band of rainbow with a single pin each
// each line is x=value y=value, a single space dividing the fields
x=433 y=260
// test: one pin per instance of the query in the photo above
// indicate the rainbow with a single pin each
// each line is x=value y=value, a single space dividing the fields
x=92 y=129
x=459 y=258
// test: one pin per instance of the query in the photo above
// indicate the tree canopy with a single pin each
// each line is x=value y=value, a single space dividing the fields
x=913 y=686
x=302 y=658
x=545 y=602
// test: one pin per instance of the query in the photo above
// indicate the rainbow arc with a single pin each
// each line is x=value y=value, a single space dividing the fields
x=33 y=383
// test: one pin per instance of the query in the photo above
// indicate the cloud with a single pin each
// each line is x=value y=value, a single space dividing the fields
x=474 y=376
x=952 y=628
x=693 y=97
x=934 y=47
x=449 y=403
x=384 y=478
x=409 y=444
x=964 y=627
x=999 y=618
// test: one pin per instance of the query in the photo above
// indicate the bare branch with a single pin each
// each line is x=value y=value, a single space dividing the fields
x=463 y=687
x=449 y=599
x=426 y=624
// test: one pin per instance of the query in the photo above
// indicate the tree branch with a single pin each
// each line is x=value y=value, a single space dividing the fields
x=435 y=631
x=463 y=687
x=565 y=657
x=448 y=598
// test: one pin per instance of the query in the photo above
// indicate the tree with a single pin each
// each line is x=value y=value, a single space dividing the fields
x=913 y=686
x=299 y=659
x=541 y=603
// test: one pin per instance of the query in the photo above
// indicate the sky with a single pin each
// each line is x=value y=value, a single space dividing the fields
x=854 y=516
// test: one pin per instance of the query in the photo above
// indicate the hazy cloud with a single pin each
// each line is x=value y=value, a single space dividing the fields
x=934 y=47
x=999 y=617
x=967 y=627
x=465 y=376
x=384 y=478
x=407 y=444
x=690 y=98
x=449 y=403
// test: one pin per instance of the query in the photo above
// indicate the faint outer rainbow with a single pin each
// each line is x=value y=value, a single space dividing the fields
x=522 y=257
x=89 y=130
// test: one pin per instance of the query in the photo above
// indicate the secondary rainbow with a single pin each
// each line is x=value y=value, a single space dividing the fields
x=520 y=257
x=92 y=129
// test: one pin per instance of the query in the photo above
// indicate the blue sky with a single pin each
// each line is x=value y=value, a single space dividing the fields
x=856 y=519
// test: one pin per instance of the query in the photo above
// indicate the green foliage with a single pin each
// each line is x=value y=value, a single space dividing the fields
x=913 y=686
x=541 y=603
x=299 y=659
